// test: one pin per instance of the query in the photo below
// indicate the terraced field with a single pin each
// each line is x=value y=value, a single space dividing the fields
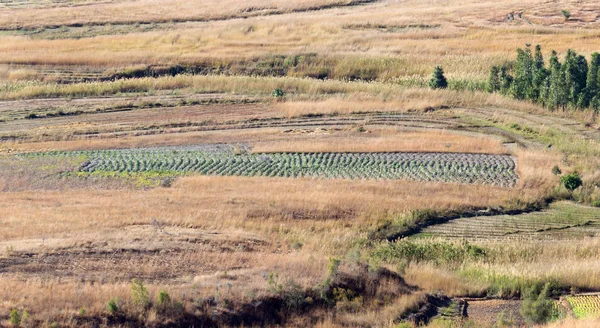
x=585 y=306
x=228 y=160
x=562 y=220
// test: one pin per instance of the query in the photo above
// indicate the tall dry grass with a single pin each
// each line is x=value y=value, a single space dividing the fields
x=148 y=11
x=387 y=140
x=466 y=47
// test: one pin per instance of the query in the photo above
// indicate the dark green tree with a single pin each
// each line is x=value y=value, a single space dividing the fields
x=494 y=82
x=557 y=94
x=522 y=87
x=438 y=80
x=575 y=74
x=506 y=80
x=540 y=74
x=586 y=98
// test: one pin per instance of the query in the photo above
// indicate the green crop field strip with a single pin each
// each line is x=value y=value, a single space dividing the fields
x=227 y=160
x=585 y=306
x=561 y=220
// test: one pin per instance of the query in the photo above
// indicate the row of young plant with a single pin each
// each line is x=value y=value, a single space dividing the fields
x=573 y=83
x=585 y=306
x=437 y=167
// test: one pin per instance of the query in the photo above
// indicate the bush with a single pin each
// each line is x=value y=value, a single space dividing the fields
x=163 y=299
x=556 y=170
x=571 y=181
x=139 y=294
x=347 y=300
x=566 y=14
x=438 y=80
x=538 y=307
x=278 y=93
x=112 y=307
x=405 y=251
x=596 y=203
x=15 y=318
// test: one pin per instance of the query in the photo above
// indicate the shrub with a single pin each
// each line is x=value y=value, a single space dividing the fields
x=538 y=307
x=405 y=251
x=82 y=311
x=139 y=294
x=163 y=298
x=25 y=317
x=113 y=306
x=15 y=318
x=596 y=203
x=163 y=302
x=273 y=281
x=556 y=170
x=566 y=14
x=324 y=288
x=438 y=80
x=571 y=181
x=278 y=93
x=347 y=300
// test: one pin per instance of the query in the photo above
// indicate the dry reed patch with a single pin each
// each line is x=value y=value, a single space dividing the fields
x=434 y=279
x=379 y=139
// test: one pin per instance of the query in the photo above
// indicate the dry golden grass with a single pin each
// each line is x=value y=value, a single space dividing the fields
x=575 y=323
x=206 y=202
x=324 y=215
x=434 y=279
x=23 y=75
x=148 y=11
x=378 y=139
x=466 y=43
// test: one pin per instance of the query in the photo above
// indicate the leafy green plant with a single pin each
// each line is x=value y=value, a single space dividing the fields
x=438 y=80
x=324 y=288
x=163 y=298
x=278 y=93
x=571 y=181
x=15 y=318
x=273 y=283
x=566 y=14
x=112 y=306
x=347 y=300
x=139 y=294
x=556 y=170
x=538 y=307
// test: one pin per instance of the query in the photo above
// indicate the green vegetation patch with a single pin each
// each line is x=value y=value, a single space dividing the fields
x=585 y=306
x=228 y=160
x=561 y=220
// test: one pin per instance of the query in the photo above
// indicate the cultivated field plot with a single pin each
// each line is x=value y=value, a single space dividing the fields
x=562 y=220
x=229 y=160
x=585 y=306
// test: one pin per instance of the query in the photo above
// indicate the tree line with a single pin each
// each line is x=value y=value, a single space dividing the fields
x=572 y=84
